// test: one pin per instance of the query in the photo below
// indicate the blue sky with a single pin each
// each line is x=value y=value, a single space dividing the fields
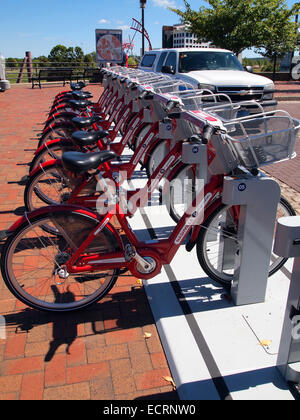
x=37 y=26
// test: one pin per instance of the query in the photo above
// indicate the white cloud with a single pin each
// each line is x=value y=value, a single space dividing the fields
x=124 y=27
x=103 y=21
x=164 y=3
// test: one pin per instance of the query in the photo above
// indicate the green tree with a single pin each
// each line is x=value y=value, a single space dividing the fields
x=42 y=61
x=279 y=33
x=62 y=56
x=90 y=60
x=59 y=55
x=237 y=24
x=11 y=62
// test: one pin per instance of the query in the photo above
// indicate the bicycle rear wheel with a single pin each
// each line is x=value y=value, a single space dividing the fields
x=52 y=151
x=58 y=130
x=48 y=186
x=219 y=231
x=33 y=259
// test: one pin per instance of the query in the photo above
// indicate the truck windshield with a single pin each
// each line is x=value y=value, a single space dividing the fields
x=208 y=60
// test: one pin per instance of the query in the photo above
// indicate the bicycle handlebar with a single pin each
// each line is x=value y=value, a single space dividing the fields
x=208 y=132
x=170 y=105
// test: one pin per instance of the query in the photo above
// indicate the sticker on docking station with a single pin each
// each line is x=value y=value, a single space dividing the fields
x=242 y=187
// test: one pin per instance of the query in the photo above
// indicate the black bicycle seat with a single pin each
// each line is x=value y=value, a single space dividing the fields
x=80 y=104
x=84 y=122
x=84 y=138
x=80 y=95
x=83 y=162
x=77 y=86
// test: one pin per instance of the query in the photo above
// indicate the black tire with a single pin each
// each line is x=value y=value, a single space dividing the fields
x=172 y=198
x=49 y=292
x=208 y=227
x=47 y=185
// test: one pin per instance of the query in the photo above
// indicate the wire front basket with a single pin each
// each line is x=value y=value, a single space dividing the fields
x=262 y=139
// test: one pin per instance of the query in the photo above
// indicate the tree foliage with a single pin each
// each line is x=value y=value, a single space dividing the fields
x=63 y=55
x=240 y=24
x=278 y=33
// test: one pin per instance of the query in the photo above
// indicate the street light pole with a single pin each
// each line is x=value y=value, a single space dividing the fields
x=143 y=6
x=293 y=52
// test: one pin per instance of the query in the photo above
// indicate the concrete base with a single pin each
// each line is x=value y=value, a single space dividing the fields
x=4 y=85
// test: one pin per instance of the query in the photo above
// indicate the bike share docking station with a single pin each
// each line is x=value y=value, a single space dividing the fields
x=287 y=244
x=258 y=198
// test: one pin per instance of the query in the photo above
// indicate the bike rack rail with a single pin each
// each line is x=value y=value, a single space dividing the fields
x=287 y=244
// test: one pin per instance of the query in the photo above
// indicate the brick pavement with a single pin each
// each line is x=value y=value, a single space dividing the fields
x=98 y=354
x=289 y=90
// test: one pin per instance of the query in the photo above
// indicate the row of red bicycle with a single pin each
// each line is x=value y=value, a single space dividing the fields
x=75 y=238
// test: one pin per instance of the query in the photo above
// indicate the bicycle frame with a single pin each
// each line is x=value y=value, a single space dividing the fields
x=162 y=251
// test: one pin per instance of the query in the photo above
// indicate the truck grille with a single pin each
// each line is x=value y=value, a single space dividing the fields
x=242 y=93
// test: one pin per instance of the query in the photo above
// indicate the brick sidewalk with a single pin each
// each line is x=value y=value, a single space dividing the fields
x=289 y=90
x=98 y=354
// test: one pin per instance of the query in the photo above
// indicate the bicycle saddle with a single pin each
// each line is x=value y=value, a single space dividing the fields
x=80 y=104
x=77 y=86
x=84 y=122
x=83 y=162
x=84 y=138
x=79 y=95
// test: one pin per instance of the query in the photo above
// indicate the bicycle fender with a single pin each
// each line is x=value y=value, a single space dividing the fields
x=45 y=165
x=57 y=124
x=49 y=143
x=68 y=209
x=192 y=240
x=60 y=114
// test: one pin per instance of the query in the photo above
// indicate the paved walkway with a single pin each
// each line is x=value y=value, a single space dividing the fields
x=98 y=354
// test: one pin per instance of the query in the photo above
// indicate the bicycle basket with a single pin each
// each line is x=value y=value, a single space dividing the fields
x=263 y=140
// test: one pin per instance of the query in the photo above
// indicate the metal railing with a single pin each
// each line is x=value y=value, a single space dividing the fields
x=15 y=75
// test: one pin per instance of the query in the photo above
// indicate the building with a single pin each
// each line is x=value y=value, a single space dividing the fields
x=179 y=36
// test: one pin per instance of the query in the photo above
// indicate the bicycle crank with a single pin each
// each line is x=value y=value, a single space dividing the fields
x=145 y=264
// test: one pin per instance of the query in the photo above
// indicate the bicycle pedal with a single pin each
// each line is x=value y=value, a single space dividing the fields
x=4 y=234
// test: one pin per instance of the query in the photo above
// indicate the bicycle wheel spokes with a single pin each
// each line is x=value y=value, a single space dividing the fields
x=51 y=152
x=221 y=243
x=37 y=273
x=50 y=187
x=57 y=132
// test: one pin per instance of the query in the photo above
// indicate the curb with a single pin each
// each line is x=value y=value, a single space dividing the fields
x=287 y=98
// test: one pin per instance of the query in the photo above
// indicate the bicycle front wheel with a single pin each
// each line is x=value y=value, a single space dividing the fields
x=219 y=232
x=33 y=259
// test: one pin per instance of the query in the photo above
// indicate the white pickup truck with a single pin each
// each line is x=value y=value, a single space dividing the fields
x=215 y=69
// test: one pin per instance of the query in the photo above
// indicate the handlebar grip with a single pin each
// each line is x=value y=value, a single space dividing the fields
x=142 y=95
x=170 y=105
x=208 y=132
